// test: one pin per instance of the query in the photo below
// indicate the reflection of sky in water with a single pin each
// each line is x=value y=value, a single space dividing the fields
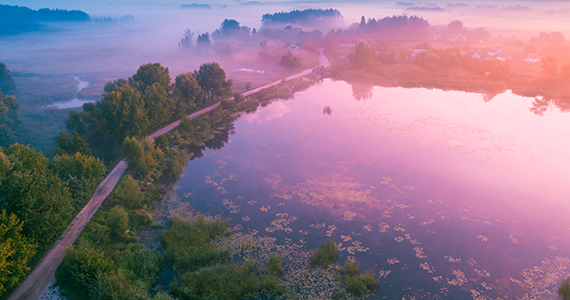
x=438 y=192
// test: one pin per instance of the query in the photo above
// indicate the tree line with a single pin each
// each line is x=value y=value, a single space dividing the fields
x=16 y=19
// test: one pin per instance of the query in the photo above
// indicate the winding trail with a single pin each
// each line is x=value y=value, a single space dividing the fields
x=38 y=281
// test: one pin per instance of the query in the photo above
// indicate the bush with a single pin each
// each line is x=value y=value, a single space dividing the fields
x=229 y=282
x=189 y=245
x=289 y=61
x=139 y=218
x=118 y=221
x=127 y=193
x=112 y=287
x=81 y=267
x=139 y=264
x=356 y=283
x=238 y=98
x=325 y=255
x=229 y=105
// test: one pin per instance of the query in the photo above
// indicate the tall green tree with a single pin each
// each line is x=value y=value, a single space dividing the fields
x=16 y=251
x=71 y=144
x=212 y=79
x=149 y=74
x=188 y=92
x=9 y=121
x=34 y=194
x=159 y=107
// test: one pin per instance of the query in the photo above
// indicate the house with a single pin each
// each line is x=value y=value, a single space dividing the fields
x=416 y=52
x=493 y=51
x=533 y=58
x=457 y=37
x=294 y=47
x=346 y=46
x=504 y=57
x=484 y=57
x=472 y=54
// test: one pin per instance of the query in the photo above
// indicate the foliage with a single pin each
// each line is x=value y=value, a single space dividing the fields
x=7 y=84
x=81 y=166
x=9 y=121
x=289 y=61
x=189 y=245
x=118 y=221
x=186 y=41
x=16 y=251
x=140 y=264
x=356 y=283
x=189 y=90
x=34 y=194
x=139 y=218
x=239 y=98
x=325 y=255
x=564 y=289
x=203 y=42
x=229 y=282
x=113 y=286
x=149 y=74
x=230 y=28
x=212 y=79
x=363 y=56
x=127 y=193
x=143 y=157
x=398 y=28
x=229 y=105
x=71 y=144
x=81 y=268
x=274 y=266
x=304 y=17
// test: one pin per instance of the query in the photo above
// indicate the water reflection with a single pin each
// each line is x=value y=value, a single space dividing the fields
x=362 y=91
x=440 y=193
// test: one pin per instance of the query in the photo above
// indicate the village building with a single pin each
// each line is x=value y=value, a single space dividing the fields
x=472 y=54
x=533 y=58
x=294 y=47
x=416 y=52
x=493 y=51
x=504 y=57
x=346 y=46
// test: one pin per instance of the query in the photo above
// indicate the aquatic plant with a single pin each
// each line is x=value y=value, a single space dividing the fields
x=189 y=245
x=356 y=283
x=325 y=255
x=564 y=289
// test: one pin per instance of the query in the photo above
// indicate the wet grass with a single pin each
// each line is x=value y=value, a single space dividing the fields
x=325 y=255
x=189 y=245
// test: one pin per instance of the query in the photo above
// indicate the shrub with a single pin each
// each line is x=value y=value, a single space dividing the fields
x=139 y=218
x=356 y=283
x=81 y=267
x=228 y=282
x=189 y=245
x=127 y=193
x=139 y=264
x=325 y=255
x=118 y=221
x=238 y=98
x=112 y=287
x=289 y=61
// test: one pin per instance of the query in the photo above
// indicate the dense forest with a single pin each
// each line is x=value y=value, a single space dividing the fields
x=18 y=19
x=309 y=17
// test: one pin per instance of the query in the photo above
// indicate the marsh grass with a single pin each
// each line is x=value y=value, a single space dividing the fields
x=325 y=255
x=189 y=245
x=358 y=284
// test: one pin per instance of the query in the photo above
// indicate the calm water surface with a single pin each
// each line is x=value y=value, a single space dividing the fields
x=437 y=192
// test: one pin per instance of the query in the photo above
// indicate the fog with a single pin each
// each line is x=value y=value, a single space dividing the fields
x=97 y=52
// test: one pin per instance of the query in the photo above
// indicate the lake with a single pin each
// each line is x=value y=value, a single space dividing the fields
x=438 y=192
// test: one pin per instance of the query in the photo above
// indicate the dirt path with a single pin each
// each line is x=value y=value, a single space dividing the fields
x=39 y=279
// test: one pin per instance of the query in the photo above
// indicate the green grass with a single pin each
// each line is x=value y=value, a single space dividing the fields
x=325 y=255
x=189 y=245
x=358 y=284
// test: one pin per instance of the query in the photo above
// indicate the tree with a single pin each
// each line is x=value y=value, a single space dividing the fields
x=82 y=266
x=363 y=56
x=83 y=167
x=149 y=74
x=7 y=85
x=212 y=79
x=186 y=41
x=118 y=221
x=9 y=121
x=34 y=194
x=289 y=61
x=71 y=144
x=228 y=29
x=159 y=107
x=362 y=23
x=456 y=26
x=203 y=42
x=549 y=65
x=16 y=251
x=189 y=92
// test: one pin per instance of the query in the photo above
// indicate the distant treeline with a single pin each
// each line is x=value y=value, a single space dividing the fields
x=397 y=27
x=17 y=19
x=301 y=17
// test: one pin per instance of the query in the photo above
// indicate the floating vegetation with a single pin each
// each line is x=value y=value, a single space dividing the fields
x=483 y=238
x=358 y=284
x=399 y=239
x=393 y=261
x=345 y=238
x=383 y=227
x=265 y=209
x=282 y=223
x=459 y=280
x=368 y=227
x=426 y=222
x=398 y=228
x=331 y=230
x=482 y=273
x=453 y=260
x=425 y=266
x=420 y=252
x=348 y=216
